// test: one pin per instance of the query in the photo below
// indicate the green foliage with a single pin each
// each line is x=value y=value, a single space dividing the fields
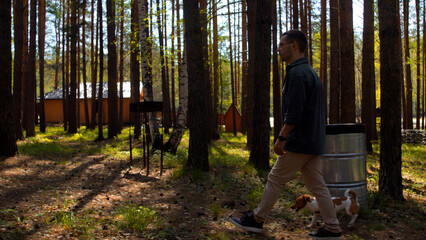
x=136 y=218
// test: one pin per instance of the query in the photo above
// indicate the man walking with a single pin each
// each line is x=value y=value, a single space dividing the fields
x=301 y=140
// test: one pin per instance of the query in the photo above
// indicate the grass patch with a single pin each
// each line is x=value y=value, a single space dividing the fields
x=136 y=218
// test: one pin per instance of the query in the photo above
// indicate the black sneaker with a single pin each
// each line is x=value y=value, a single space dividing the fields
x=247 y=223
x=322 y=233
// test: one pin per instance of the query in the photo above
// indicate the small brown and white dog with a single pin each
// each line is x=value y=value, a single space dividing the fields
x=349 y=203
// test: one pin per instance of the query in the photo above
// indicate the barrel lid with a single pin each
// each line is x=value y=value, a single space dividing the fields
x=334 y=129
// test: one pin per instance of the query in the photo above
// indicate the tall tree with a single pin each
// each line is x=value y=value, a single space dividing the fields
x=84 y=63
x=18 y=74
x=347 y=62
x=244 y=66
x=7 y=133
x=146 y=69
x=134 y=66
x=101 y=73
x=112 y=71
x=73 y=80
x=407 y=65
x=418 y=57
x=172 y=63
x=121 y=66
x=334 y=105
x=368 y=101
x=164 y=83
x=93 y=64
x=29 y=90
x=41 y=41
x=390 y=179
x=295 y=14
x=231 y=62
x=276 y=82
x=211 y=128
x=197 y=115
x=251 y=18
x=324 y=62
x=259 y=154
x=424 y=65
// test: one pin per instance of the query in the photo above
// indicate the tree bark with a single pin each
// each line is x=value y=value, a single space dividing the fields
x=19 y=73
x=147 y=71
x=251 y=13
x=390 y=179
x=347 y=62
x=418 y=57
x=29 y=93
x=244 y=68
x=231 y=60
x=334 y=115
x=259 y=154
x=167 y=121
x=368 y=101
x=276 y=81
x=7 y=134
x=101 y=73
x=83 y=52
x=134 y=67
x=408 y=80
x=179 y=129
x=94 y=65
x=41 y=41
x=112 y=72
x=73 y=81
x=197 y=115
x=324 y=62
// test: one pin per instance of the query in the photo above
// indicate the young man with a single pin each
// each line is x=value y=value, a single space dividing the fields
x=301 y=140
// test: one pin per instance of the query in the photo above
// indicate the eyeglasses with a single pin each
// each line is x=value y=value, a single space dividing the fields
x=282 y=44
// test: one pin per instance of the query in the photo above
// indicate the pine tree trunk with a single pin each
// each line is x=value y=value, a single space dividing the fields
x=29 y=93
x=244 y=69
x=334 y=105
x=408 y=81
x=347 y=63
x=368 y=101
x=276 y=81
x=251 y=10
x=146 y=70
x=94 y=65
x=197 y=114
x=73 y=81
x=112 y=72
x=101 y=73
x=164 y=83
x=41 y=41
x=134 y=68
x=7 y=134
x=324 y=62
x=418 y=57
x=121 y=68
x=390 y=179
x=234 y=124
x=259 y=154
x=19 y=74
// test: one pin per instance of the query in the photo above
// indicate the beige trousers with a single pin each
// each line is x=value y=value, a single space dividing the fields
x=283 y=171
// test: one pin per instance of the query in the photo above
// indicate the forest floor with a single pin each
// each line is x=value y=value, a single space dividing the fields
x=68 y=186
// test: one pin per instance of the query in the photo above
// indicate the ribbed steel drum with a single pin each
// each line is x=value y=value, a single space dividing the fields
x=344 y=162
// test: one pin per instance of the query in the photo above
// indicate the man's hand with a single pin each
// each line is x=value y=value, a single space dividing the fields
x=279 y=147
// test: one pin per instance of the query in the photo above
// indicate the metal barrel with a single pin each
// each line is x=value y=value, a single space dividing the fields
x=344 y=163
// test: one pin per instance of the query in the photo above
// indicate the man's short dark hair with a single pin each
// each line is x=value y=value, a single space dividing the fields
x=299 y=37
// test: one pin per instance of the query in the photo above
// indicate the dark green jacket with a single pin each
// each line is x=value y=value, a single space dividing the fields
x=303 y=106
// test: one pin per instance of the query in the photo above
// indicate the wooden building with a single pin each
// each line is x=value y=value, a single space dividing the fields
x=54 y=105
